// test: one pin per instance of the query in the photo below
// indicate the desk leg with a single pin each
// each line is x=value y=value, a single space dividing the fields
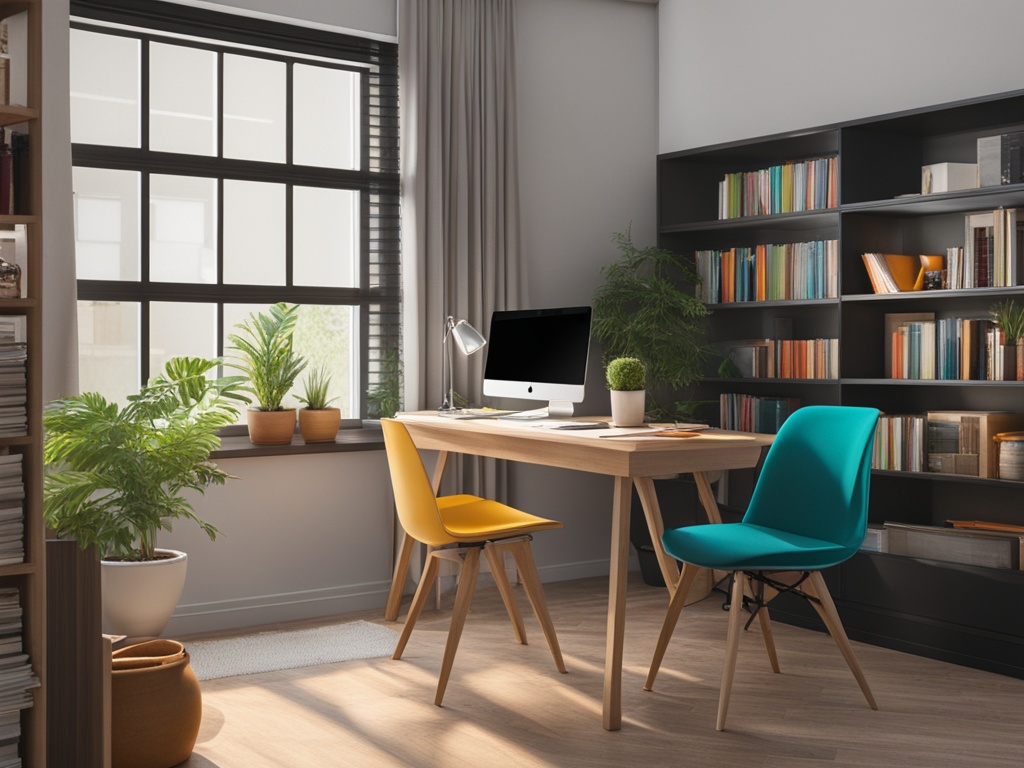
x=707 y=497
x=617 y=604
x=655 y=524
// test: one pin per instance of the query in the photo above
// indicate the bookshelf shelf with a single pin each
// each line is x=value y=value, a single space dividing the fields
x=878 y=209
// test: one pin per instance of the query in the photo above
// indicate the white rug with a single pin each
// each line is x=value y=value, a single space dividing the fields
x=267 y=651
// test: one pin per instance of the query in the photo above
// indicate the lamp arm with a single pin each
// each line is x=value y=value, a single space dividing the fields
x=448 y=403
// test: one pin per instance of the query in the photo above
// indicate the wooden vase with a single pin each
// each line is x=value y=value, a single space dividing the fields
x=271 y=427
x=156 y=705
x=319 y=426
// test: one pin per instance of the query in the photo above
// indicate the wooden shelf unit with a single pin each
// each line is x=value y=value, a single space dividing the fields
x=931 y=608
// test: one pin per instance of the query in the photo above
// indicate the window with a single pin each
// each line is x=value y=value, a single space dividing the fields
x=222 y=164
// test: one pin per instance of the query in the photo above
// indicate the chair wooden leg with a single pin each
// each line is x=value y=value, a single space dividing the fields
x=535 y=593
x=418 y=601
x=398 y=579
x=496 y=560
x=732 y=645
x=463 y=598
x=816 y=587
x=675 y=607
x=769 y=640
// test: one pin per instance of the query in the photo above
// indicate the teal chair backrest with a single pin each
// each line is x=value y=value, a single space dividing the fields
x=815 y=478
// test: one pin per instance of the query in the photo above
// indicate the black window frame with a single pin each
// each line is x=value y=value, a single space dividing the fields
x=377 y=299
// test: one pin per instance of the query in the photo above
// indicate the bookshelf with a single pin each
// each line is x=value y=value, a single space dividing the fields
x=948 y=611
x=22 y=224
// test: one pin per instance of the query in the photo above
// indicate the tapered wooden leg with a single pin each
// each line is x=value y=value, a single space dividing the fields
x=494 y=554
x=418 y=601
x=732 y=645
x=398 y=579
x=463 y=598
x=816 y=587
x=652 y=512
x=535 y=593
x=675 y=607
x=769 y=640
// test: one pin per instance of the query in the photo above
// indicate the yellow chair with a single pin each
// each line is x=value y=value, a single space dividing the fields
x=465 y=525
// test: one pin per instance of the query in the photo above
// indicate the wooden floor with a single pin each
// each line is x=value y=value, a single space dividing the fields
x=507 y=706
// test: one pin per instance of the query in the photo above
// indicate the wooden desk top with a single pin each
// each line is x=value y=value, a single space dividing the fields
x=630 y=454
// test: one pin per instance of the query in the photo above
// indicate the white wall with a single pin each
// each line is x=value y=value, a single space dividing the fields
x=746 y=68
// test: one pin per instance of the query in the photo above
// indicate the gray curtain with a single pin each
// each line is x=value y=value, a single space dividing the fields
x=460 y=225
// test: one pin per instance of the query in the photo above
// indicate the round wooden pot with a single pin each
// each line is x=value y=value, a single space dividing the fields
x=156 y=705
x=319 y=426
x=271 y=427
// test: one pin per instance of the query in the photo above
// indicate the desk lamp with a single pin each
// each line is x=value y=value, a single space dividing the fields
x=468 y=340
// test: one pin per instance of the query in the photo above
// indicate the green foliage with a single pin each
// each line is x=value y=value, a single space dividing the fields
x=115 y=475
x=1010 y=318
x=315 y=388
x=266 y=354
x=385 y=399
x=626 y=374
x=646 y=309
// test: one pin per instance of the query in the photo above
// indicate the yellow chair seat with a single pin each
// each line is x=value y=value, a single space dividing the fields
x=471 y=518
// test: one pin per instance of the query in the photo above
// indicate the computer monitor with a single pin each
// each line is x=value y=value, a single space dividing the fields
x=539 y=354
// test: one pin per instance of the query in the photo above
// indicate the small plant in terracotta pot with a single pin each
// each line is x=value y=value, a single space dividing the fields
x=318 y=421
x=1010 y=319
x=627 y=379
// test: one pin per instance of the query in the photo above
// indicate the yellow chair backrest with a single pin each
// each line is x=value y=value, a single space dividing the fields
x=414 y=496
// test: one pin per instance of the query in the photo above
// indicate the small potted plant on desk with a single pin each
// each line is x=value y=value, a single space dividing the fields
x=116 y=475
x=266 y=355
x=318 y=421
x=627 y=380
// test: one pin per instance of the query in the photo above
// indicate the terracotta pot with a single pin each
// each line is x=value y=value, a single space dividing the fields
x=271 y=427
x=156 y=705
x=628 y=407
x=319 y=426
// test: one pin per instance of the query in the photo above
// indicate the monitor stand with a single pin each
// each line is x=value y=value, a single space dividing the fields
x=557 y=409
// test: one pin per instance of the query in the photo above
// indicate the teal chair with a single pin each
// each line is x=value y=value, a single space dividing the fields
x=808 y=511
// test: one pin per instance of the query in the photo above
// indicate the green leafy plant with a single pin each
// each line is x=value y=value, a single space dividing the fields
x=646 y=309
x=116 y=473
x=266 y=354
x=626 y=374
x=385 y=399
x=1010 y=318
x=315 y=389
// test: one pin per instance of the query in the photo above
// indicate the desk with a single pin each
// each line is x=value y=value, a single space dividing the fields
x=632 y=458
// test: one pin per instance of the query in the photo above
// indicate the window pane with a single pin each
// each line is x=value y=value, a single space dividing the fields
x=325 y=125
x=182 y=99
x=182 y=229
x=106 y=224
x=104 y=89
x=325 y=237
x=254 y=233
x=324 y=335
x=254 y=109
x=180 y=328
x=108 y=348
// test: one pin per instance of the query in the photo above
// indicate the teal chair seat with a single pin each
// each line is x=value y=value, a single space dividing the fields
x=808 y=511
x=751 y=547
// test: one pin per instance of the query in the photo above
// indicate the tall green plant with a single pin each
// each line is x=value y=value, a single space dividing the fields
x=116 y=474
x=266 y=354
x=1010 y=318
x=315 y=389
x=646 y=309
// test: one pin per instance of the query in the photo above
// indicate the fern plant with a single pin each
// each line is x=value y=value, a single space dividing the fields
x=116 y=474
x=646 y=308
x=267 y=356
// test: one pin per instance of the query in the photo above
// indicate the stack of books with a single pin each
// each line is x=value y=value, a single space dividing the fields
x=900 y=443
x=16 y=677
x=749 y=413
x=12 y=515
x=783 y=272
x=785 y=188
x=13 y=393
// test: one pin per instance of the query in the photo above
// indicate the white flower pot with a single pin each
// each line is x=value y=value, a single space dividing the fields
x=628 y=407
x=139 y=597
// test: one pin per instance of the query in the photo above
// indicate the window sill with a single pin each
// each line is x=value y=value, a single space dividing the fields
x=365 y=436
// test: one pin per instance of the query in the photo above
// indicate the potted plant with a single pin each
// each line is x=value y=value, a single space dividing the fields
x=318 y=421
x=117 y=475
x=646 y=309
x=266 y=355
x=1010 y=319
x=627 y=381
